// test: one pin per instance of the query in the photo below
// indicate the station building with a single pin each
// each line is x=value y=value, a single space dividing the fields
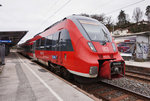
x=9 y=38
x=139 y=44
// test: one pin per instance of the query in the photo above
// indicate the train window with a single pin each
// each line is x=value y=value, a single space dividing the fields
x=48 y=42
x=55 y=41
x=43 y=41
x=31 y=48
x=42 y=45
x=38 y=42
x=96 y=31
x=28 y=48
x=65 y=41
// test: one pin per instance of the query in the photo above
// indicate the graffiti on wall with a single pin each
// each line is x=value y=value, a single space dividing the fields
x=143 y=49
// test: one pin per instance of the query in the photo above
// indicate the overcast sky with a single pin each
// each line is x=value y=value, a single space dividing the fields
x=36 y=15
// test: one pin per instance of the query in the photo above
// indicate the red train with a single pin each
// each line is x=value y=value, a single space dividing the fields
x=77 y=45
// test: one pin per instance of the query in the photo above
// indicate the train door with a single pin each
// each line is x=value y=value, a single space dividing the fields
x=37 y=49
x=55 y=44
x=42 y=48
x=59 y=49
x=65 y=47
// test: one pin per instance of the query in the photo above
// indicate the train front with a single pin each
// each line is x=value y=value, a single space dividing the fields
x=100 y=42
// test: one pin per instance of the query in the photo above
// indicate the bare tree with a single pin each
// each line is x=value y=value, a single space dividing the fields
x=84 y=14
x=109 y=23
x=137 y=14
x=147 y=13
x=127 y=18
x=100 y=17
x=108 y=20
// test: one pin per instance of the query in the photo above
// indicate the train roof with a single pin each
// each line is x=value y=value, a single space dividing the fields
x=72 y=17
x=76 y=17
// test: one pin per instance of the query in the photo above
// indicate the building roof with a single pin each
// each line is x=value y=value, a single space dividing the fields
x=133 y=34
x=14 y=36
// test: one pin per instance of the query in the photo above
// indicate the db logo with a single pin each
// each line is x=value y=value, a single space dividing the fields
x=105 y=49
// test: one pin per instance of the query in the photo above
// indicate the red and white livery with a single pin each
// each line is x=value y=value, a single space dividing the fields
x=77 y=45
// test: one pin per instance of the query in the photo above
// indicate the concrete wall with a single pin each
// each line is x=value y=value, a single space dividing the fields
x=142 y=46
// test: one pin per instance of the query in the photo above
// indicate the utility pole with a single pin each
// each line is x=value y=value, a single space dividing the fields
x=113 y=28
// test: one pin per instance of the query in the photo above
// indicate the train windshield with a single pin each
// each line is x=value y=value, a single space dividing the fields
x=96 y=31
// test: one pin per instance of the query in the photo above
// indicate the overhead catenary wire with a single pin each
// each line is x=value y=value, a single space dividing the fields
x=56 y=11
x=52 y=15
x=124 y=7
x=54 y=4
x=38 y=27
x=108 y=2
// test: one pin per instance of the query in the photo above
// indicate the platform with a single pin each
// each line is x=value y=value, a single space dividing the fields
x=141 y=67
x=24 y=80
x=138 y=64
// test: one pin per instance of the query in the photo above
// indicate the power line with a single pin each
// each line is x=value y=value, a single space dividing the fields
x=51 y=7
x=105 y=3
x=56 y=11
x=125 y=7
x=53 y=14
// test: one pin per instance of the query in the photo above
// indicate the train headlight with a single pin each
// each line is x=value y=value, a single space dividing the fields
x=114 y=47
x=91 y=46
x=93 y=70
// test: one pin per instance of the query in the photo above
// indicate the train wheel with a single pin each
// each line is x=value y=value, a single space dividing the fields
x=65 y=74
x=51 y=68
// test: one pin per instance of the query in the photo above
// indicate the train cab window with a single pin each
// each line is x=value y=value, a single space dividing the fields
x=96 y=31
x=48 y=42
x=65 y=41
x=42 y=45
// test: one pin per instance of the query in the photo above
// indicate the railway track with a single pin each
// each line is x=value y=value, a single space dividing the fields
x=129 y=92
x=106 y=91
x=110 y=92
x=138 y=75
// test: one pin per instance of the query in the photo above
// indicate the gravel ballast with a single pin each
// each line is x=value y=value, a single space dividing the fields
x=132 y=85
